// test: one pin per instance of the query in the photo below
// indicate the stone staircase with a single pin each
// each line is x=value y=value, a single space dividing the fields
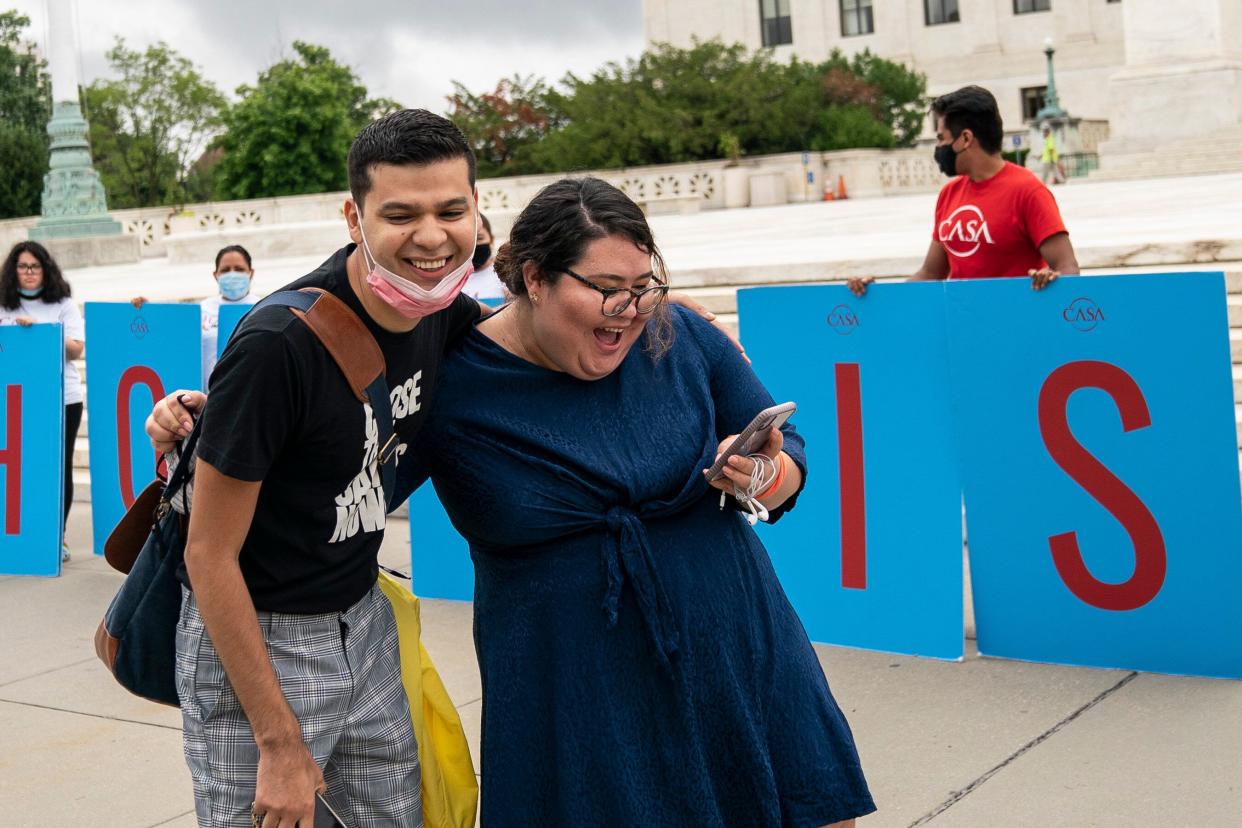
x=1218 y=152
x=718 y=291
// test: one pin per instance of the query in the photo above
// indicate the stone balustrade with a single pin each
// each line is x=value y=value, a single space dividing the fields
x=309 y=224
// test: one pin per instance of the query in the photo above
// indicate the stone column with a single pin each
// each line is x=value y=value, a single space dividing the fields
x=62 y=51
x=75 y=206
x=1182 y=80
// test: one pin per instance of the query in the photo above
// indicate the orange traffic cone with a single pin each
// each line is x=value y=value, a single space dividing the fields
x=828 y=191
x=841 y=194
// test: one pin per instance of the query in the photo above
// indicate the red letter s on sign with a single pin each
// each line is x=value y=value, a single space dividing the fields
x=1085 y=470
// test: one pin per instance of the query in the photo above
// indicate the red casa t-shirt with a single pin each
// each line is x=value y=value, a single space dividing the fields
x=995 y=227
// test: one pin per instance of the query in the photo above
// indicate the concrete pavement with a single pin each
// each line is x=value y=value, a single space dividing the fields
x=981 y=743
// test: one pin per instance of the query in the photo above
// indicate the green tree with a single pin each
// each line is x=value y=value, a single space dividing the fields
x=504 y=124
x=25 y=107
x=896 y=95
x=150 y=125
x=674 y=105
x=668 y=105
x=290 y=133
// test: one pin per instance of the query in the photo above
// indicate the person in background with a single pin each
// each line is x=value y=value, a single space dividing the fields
x=1051 y=158
x=993 y=219
x=483 y=284
x=234 y=275
x=33 y=291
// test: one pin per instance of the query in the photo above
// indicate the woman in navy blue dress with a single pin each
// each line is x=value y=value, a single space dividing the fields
x=641 y=664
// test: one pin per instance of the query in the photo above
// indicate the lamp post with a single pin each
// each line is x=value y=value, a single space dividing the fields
x=1051 y=109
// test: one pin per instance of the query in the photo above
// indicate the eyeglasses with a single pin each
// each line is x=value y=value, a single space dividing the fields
x=616 y=300
x=24 y=267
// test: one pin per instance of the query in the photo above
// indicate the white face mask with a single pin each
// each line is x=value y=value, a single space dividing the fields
x=407 y=298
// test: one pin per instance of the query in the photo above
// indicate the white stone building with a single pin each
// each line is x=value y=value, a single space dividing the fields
x=998 y=44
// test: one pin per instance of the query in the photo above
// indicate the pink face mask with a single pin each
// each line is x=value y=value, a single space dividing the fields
x=407 y=298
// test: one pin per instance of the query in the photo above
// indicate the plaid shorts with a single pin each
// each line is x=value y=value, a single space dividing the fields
x=341 y=674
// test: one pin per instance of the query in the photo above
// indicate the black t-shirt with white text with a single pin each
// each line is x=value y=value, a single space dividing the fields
x=281 y=412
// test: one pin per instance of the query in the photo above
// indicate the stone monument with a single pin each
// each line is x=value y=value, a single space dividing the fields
x=1064 y=127
x=1176 y=105
x=75 y=224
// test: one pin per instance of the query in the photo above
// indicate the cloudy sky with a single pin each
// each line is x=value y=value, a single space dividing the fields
x=409 y=50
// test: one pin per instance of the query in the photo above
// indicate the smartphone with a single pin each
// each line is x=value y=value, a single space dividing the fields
x=325 y=816
x=753 y=437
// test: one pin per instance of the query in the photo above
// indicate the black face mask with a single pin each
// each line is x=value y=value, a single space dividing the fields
x=482 y=252
x=946 y=159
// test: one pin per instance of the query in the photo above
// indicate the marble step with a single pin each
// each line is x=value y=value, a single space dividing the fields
x=81 y=453
x=1235 y=310
x=81 y=485
x=1196 y=164
x=1187 y=164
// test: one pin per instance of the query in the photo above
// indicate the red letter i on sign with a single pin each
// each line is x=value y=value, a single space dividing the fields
x=850 y=470
x=11 y=459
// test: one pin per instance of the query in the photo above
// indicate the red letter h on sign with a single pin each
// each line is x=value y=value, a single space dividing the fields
x=11 y=459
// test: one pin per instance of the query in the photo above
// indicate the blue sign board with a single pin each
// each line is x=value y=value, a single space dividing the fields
x=32 y=445
x=227 y=321
x=1100 y=467
x=872 y=555
x=440 y=557
x=136 y=356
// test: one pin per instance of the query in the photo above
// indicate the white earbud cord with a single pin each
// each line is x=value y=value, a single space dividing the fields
x=760 y=479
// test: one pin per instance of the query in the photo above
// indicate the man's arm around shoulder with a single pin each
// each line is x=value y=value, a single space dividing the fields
x=219 y=521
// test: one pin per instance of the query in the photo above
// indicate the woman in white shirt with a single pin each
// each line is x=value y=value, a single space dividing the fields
x=32 y=290
x=234 y=275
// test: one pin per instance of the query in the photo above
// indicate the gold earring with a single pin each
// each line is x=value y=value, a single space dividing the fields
x=535 y=298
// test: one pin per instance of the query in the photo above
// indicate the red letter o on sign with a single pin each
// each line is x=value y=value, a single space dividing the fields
x=134 y=375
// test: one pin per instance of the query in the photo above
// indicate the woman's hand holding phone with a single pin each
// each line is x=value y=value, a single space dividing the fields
x=738 y=469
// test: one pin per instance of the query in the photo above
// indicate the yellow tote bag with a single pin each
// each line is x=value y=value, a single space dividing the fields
x=450 y=789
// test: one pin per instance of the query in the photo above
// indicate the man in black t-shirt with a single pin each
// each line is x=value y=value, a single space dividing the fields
x=288 y=666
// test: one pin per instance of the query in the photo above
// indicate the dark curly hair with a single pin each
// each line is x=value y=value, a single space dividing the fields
x=559 y=223
x=55 y=288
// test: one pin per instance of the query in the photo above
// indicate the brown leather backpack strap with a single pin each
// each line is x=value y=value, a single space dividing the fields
x=347 y=340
